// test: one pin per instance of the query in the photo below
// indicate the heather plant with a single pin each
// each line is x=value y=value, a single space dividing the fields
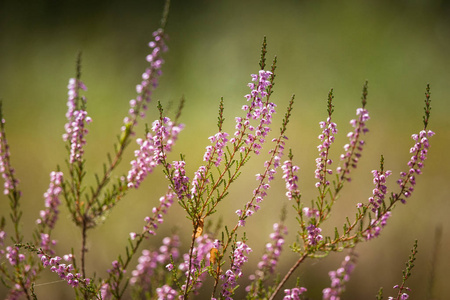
x=212 y=264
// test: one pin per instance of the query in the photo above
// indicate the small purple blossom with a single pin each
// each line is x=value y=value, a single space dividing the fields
x=166 y=293
x=149 y=81
x=257 y=109
x=180 y=180
x=49 y=216
x=355 y=146
x=165 y=203
x=293 y=294
x=153 y=150
x=215 y=152
x=329 y=129
x=230 y=277
x=380 y=190
x=269 y=259
x=150 y=260
x=314 y=235
x=339 y=278
x=65 y=272
x=407 y=180
x=291 y=179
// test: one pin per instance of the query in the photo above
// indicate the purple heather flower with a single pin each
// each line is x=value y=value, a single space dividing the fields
x=314 y=235
x=152 y=150
x=49 y=216
x=230 y=277
x=77 y=120
x=5 y=166
x=13 y=255
x=355 y=146
x=339 y=278
x=149 y=80
x=165 y=203
x=415 y=164
x=327 y=138
x=293 y=294
x=269 y=260
x=64 y=271
x=199 y=177
x=180 y=180
x=311 y=212
x=2 y=237
x=150 y=260
x=291 y=179
x=258 y=109
x=215 y=152
x=380 y=190
x=166 y=293
x=376 y=225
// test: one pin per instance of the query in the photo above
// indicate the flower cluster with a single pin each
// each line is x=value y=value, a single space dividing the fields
x=49 y=216
x=256 y=110
x=77 y=120
x=376 y=224
x=64 y=271
x=329 y=129
x=269 y=260
x=150 y=260
x=149 y=80
x=215 y=152
x=230 y=277
x=314 y=235
x=199 y=176
x=355 y=146
x=166 y=292
x=151 y=225
x=380 y=190
x=339 y=278
x=152 y=150
x=13 y=255
x=415 y=164
x=180 y=180
x=293 y=294
x=291 y=179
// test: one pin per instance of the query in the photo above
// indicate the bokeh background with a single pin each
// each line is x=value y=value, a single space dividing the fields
x=399 y=46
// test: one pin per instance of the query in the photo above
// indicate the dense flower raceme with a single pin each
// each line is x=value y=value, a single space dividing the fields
x=375 y=202
x=149 y=261
x=64 y=271
x=355 y=146
x=269 y=260
x=258 y=109
x=339 y=278
x=151 y=225
x=5 y=167
x=149 y=79
x=49 y=216
x=153 y=150
x=291 y=179
x=230 y=276
x=329 y=129
x=415 y=164
x=215 y=152
x=180 y=180
x=77 y=120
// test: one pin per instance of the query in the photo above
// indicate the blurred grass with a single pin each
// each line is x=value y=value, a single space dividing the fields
x=214 y=47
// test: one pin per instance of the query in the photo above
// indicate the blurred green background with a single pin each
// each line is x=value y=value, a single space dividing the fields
x=399 y=46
